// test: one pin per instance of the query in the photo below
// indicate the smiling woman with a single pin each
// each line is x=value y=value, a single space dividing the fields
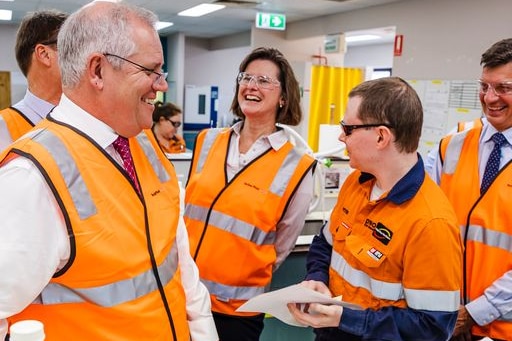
x=233 y=202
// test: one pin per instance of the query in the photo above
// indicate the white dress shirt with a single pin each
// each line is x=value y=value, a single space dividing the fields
x=34 y=108
x=290 y=227
x=34 y=242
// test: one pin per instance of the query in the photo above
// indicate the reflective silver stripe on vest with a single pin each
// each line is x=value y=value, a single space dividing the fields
x=225 y=292
x=69 y=170
x=115 y=293
x=435 y=300
x=232 y=225
x=285 y=173
x=211 y=135
x=150 y=152
x=4 y=130
x=488 y=237
x=453 y=152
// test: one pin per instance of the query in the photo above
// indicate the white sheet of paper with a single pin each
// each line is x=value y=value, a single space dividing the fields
x=274 y=302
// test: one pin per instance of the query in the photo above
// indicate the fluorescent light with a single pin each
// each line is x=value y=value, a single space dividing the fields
x=5 y=14
x=200 y=10
x=362 y=37
x=163 y=24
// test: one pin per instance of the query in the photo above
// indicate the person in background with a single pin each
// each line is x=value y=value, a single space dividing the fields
x=36 y=54
x=391 y=245
x=84 y=248
x=248 y=192
x=460 y=166
x=167 y=118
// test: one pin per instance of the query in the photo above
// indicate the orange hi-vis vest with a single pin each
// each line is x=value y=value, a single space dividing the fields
x=16 y=123
x=381 y=255
x=122 y=281
x=232 y=225
x=485 y=220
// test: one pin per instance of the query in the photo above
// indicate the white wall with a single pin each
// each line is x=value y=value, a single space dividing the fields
x=205 y=67
x=443 y=39
x=375 y=56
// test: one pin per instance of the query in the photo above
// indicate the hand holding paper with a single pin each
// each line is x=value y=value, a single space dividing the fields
x=275 y=302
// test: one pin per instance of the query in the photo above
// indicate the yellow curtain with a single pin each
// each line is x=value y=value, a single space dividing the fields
x=329 y=90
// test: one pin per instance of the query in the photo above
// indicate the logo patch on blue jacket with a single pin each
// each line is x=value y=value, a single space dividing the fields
x=380 y=232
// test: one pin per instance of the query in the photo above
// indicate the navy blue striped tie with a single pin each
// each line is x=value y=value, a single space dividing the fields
x=493 y=164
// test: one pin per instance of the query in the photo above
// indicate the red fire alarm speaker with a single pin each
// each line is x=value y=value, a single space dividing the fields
x=399 y=40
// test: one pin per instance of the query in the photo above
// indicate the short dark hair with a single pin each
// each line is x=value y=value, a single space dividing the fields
x=291 y=111
x=393 y=101
x=36 y=28
x=166 y=110
x=500 y=53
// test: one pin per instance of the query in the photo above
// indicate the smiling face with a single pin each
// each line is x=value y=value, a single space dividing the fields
x=255 y=102
x=497 y=109
x=132 y=90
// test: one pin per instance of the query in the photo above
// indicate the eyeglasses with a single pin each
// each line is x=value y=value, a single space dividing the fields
x=499 y=89
x=262 y=82
x=159 y=75
x=175 y=124
x=349 y=129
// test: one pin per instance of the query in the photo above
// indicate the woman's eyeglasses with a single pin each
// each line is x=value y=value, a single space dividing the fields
x=348 y=129
x=262 y=82
x=175 y=124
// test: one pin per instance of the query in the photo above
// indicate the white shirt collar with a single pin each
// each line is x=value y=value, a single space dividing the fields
x=69 y=113
x=276 y=140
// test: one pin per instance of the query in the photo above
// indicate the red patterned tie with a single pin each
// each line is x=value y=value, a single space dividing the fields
x=122 y=146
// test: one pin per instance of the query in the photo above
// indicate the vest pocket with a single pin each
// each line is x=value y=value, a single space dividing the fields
x=364 y=252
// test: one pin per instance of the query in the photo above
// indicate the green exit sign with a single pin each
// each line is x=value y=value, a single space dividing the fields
x=271 y=21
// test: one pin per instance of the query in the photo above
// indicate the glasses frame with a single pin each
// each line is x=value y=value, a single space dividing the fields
x=348 y=129
x=148 y=71
x=175 y=124
x=272 y=83
x=494 y=87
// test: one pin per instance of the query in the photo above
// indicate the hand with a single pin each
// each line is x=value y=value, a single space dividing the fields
x=463 y=326
x=317 y=286
x=316 y=315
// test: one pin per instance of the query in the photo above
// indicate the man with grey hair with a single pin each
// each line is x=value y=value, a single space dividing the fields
x=93 y=244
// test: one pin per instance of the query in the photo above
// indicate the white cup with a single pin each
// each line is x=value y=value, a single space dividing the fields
x=27 y=330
